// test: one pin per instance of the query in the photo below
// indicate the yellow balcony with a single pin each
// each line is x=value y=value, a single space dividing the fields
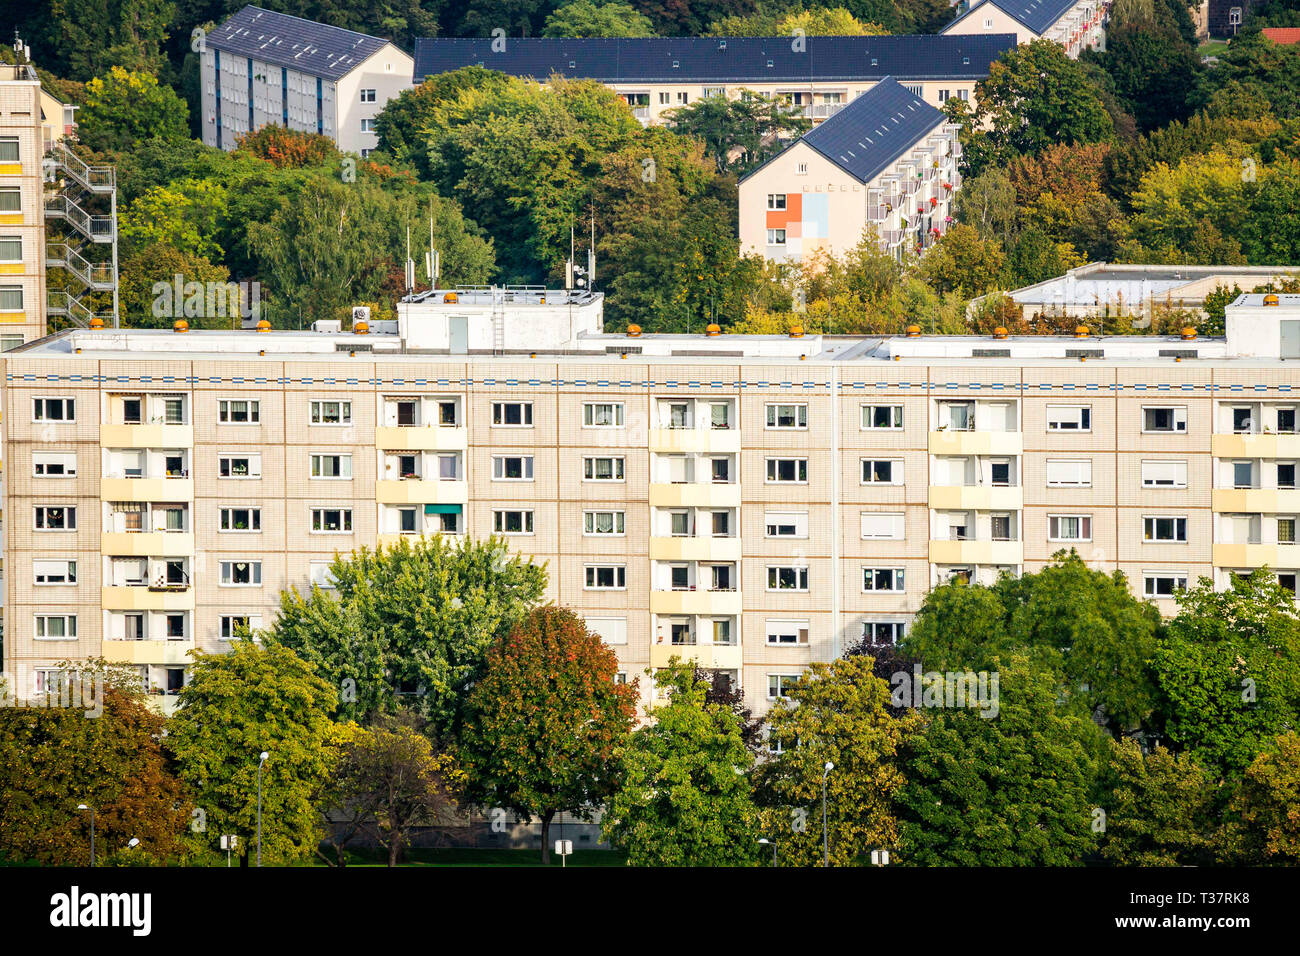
x=1257 y=555
x=979 y=497
x=146 y=436
x=414 y=491
x=714 y=656
x=158 y=544
x=695 y=549
x=976 y=443
x=1255 y=446
x=141 y=598
x=1261 y=500
x=715 y=603
x=146 y=489
x=421 y=438
x=717 y=440
x=695 y=495
x=977 y=552
x=147 y=652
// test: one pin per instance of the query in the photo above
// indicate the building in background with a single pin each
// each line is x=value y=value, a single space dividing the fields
x=819 y=75
x=753 y=503
x=1077 y=25
x=262 y=68
x=887 y=162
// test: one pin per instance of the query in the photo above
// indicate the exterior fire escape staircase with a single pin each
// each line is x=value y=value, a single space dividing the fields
x=80 y=194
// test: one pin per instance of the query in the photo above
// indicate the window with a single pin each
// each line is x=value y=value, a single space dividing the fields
x=11 y=298
x=1243 y=474
x=11 y=249
x=1286 y=530
x=238 y=411
x=1069 y=472
x=801 y=169
x=367 y=96
x=367 y=124
x=776 y=237
x=787 y=416
x=9 y=340
x=236 y=625
x=1165 y=419
x=239 y=466
x=611 y=630
x=1286 y=580
x=132 y=411
x=879 y=417
x=11 y=200
x=1069 y=418
x=512 y=522
x=1242 y=420
x=331 y=413
x=56 y=518
x=944 y=96
x=786 y=524
x=776 y=200
x=783 y=578
x=54 y=464
x=778 y=685
x=174 y=410
x=880 y=633
x=331 y=466
x=241 y=573
x=170 y=518
x=55 y=572
x=882 y=525
x=602 y=469
x=882 y=579
x=603 y=522
x=1164 y=474
x=787 y=632
x=606 y=577
x=1286 y=474
x=1157 y=584
x=331 y=520
x=602 y=415
x=1000 y=527
x=320 y=576
x=1069 y=527
x=448 y=413
x=54 y=409
x=882 y=471
x=1000 y=473
x=512 y=414
x=721 y=524
x=56 y=627
x=241 y=519
x=512 y=467
x=787 y=470
x=1286 y=421
x=1164 y=528
x=963 y=95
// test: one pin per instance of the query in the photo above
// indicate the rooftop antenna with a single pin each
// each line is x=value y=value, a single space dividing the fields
x=432 y=262
x=410 y=263
x=591 y=253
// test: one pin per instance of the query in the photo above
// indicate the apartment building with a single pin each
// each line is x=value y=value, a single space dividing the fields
x=753 y=503
x=886 y=163
x=264 y=68
x=818 y=75
x=1077 y=25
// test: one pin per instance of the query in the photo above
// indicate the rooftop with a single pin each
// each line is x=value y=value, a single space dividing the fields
x=1037 y=15
x=1103 y=282
x=719 y=59
x=282 y=40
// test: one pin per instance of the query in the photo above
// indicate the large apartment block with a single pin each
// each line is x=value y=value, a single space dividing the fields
x=263 y=68
x=819 y=75
x=752 y=503
x=1077 y=25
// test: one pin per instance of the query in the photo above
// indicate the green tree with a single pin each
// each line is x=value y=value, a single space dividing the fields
x=185 y=215
x=403 y=125
x=1154 y=68
x=684 y=797
x=412 y=621
x=1266 y=806
x=1228 y=669
x=236 y=706
x=1011 y=790
x=963 y=262
x=124 y=107
x=1160 y=812
x=544 y=720
x=145 y=265
x=740 y=133
x=585 y=18
x=838 y=713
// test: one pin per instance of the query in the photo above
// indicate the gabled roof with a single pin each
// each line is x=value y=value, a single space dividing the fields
x=872 y=132
x=314 y=48
x=1283 y=36
x=719 y=59
x=1037 y=15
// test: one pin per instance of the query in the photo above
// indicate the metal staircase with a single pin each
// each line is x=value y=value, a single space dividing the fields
x=78 y=200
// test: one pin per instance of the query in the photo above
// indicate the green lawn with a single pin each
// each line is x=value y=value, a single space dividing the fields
x=1212 y=48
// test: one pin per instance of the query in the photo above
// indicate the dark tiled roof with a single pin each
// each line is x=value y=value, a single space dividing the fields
x=1038 y=15
x=314 y=48
x=719 y=59
x=869 y=134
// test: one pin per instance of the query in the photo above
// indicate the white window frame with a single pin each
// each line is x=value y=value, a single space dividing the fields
x=866 y=468
x=40 y=627
x=226 y=573
x=1084 y=482
x=253 y=457
x=345 y=465
x=226 y=405
x=1154 y=519
x=1180 y=420
x=775 y=519
x=42 y=568
x=69 y=520
x=41 y=405
x=866 y=413
x=802 y=580
x=1176 y=482
x=897 y=525
x=1148 y=577
x=897 y=579
x=618 y=469
x=772 y=471
x=525 y=414
x=526 y=467
x=44 y=459
x=1058 y=419
x=772 y=416
x=317 y=410
x=316 y=515
x=589 y=414
x=590 y=577
x=618 y=521
x=526 y=521
x=1085 y=527
x=799 y=629
x=226 y=515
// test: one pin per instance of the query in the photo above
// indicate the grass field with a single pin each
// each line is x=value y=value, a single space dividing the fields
x=1212 y=48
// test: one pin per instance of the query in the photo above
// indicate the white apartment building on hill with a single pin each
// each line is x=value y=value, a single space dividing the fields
x=751 y=503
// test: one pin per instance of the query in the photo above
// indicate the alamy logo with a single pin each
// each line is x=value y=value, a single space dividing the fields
x=179 y=299
x=966 y=689
x=76 y=909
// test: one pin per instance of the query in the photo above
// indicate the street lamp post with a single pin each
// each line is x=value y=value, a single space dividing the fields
x=260 y=761
x=826 y=840
x=82 y=806
x=764 y=841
